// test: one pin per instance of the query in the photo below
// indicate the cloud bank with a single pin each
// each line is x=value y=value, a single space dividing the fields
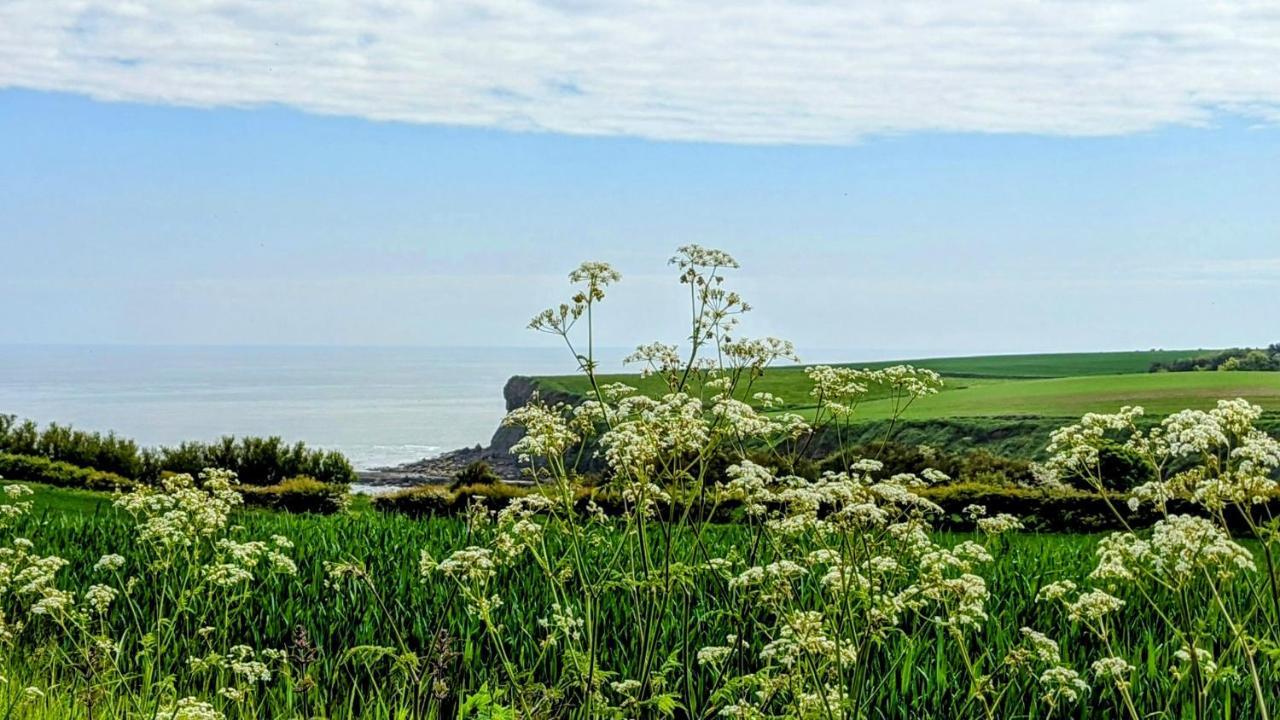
x=747 y=71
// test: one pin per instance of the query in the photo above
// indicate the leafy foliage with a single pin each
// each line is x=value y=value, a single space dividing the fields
x=1265 y=359
x=300 y=494
x=257 y=461
x=61 y=474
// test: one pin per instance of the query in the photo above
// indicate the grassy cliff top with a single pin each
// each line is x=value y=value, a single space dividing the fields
x=1056 y=385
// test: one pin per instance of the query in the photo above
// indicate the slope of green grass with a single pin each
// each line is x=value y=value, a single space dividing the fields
x=1159 y=394
x=1046 y=365
x=47 y=498
x=788 y=383
x=780 y=380
x=1011 y=384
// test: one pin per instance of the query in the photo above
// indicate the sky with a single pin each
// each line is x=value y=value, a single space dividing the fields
x=922 y=178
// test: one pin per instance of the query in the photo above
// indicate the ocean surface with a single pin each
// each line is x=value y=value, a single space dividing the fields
x=378 y=406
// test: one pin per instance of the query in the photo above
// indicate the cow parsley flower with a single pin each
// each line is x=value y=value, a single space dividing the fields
x=189 y=708
x=1093 y=605
x=98 y=598
x=1062 y=685
x=1113 y=669
x=1002 y=523
x=109 y=563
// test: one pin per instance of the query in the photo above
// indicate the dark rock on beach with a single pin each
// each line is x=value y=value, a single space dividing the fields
x=518 y=391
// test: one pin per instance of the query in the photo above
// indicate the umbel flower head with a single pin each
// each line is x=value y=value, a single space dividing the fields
x=596 y=276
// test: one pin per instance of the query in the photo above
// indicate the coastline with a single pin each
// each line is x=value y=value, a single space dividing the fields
x=442 y=468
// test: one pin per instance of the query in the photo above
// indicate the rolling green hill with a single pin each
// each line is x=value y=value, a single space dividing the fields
x=1159 y=394
x=1046 y=365
x=1010 y=384
x=1010 y=403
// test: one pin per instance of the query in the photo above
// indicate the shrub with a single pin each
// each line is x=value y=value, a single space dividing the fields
x=106 y=452
x=1044 y=509
x=422 y=501
x=428 y=500
x=257 y=461
x=477 y=473
x=1119 y=468
x=1230 y=359
x=53 y=472
x=1122 y=468
x=301 y=494
x=973 y=466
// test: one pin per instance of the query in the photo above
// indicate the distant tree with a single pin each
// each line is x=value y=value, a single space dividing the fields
x=1228 y=360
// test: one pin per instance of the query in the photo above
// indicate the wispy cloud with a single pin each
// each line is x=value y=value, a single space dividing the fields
x=743 y=71
x=1248 y=270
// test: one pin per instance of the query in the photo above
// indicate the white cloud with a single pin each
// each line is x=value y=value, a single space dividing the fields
x=1248 y=271
x=741 y=71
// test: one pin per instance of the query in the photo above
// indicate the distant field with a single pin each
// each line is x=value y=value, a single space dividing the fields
x=1159 y=394
x=1055 y=385
x=1048 y=365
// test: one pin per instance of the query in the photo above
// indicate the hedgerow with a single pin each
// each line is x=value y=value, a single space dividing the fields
x=300 y=494
x=61 y=474
x=256 y=461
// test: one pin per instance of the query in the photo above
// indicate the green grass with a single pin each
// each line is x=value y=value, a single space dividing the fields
x=1046 y=365
x=1057 y=385
x=1159 y=394
x=48 y=498
x=790 y=381
x=921 y=673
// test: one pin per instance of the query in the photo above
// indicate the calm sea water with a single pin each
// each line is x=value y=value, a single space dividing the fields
x=379 y=406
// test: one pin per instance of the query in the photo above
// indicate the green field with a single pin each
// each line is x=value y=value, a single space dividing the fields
x=1160 y=394
x=1053 y=385
x=920 y=672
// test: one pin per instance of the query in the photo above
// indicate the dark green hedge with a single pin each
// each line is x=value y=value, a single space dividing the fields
x=1040 y=509
x=298 y=495
x=52 y=472
x=257 y=461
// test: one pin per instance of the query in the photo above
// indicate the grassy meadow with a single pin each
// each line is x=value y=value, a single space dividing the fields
x=919 y=671
x=1055 y=386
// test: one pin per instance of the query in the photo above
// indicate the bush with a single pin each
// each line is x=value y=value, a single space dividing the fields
x=1119 y=469
x=1122 y=468
x=972 y=466
x=430 y=500
x=301 y=494
x=257 y=461
x=52 y=472
x=1043 y=509
x=1230 y=359
x=1066 y=510
x=105 y=452
x=422 y=501
x=477 y=473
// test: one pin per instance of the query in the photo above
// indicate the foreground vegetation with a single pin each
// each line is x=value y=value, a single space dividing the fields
x=917 y=676
x=833 y=594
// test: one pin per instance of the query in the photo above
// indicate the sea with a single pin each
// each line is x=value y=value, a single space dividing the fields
x=379 y=406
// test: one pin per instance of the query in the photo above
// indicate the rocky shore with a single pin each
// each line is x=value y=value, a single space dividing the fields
x=443 y=468
x=518 y=391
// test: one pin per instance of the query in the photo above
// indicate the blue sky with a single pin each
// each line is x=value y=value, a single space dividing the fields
x=142 y=224
x=894 y=181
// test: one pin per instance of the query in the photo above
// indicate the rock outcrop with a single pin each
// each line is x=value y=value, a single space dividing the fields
x=518 y=392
